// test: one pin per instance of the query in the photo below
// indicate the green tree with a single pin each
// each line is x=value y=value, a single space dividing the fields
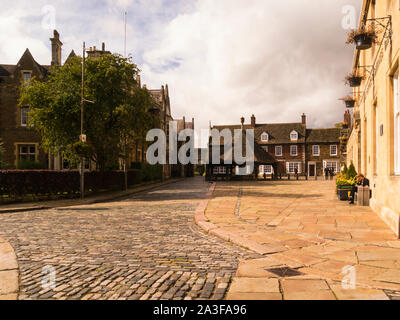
x=120 y=107
x=351 y=172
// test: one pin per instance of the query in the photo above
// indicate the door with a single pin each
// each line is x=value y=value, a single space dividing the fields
x=311 y=170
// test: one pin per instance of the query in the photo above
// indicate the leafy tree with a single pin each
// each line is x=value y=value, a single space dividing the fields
x=345 y=169
x=119 y=108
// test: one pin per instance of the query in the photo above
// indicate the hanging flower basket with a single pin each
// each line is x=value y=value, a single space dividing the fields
x=363 y=38
x=354 y=79
x=83 y=149
x=349 y=101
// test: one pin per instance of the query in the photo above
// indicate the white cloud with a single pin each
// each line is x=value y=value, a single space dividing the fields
x=222 y=59
x=274 y=59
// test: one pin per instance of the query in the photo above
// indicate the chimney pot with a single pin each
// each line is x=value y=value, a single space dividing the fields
x=303 y=119
x=253 y=121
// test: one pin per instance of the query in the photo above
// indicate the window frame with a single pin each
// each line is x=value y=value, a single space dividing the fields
x=22 y=113
x=297 y=150
x=28 y=154
x=330 y=150
x=264 y=134
x=319 y=150
x=276 y=151
x=294 y=133
x=293 y=163
x=331 y=162
x=265 y=148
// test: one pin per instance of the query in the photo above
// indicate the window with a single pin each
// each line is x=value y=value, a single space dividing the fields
x=396 y=92
x=264 y=137
x=315 y=151
x=278 y=151
x=27 y=76
x=24 y=116
x=333 y=150
x=294 y=136
x=27 y=152
x=331 y=165
x=265 y=148
x=219 y=170
x=292 y=166
x=267 y=169
x=293 y=151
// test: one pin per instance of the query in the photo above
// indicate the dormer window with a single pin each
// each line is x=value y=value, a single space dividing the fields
x=294 y=136
x=264 y=137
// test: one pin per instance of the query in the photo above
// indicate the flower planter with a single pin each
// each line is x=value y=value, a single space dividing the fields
x=363 y=41
x=354 y=81
x=350 y=103
x=343 y=192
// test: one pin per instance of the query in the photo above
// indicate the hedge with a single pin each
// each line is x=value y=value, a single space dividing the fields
x=20 y=183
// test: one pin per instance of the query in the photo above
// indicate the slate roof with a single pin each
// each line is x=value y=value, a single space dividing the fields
x=323 y=135
x=260 y=155
x=279 y=133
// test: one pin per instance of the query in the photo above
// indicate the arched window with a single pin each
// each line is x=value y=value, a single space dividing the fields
x=294 y=136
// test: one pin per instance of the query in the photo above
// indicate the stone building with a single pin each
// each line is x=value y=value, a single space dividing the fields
x=374 y=143
x=22 y=144
x=282 y=149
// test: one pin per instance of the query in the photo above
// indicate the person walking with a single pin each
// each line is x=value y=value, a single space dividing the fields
x=332 y=173
x=326 y=170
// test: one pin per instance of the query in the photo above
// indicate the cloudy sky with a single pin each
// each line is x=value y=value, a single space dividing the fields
x=222 y=59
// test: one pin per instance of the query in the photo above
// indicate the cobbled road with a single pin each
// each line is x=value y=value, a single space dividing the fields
x=142 y=247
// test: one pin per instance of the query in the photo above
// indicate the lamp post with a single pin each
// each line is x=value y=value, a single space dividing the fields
x=82 y=137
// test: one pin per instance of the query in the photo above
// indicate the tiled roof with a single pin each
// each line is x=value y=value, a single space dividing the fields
x=279 y=133
x=323 y=135
x=6 y=69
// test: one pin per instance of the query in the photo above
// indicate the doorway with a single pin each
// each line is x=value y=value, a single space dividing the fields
x=312 y=167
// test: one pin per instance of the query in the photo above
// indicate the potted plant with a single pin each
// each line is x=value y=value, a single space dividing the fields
x=83 y=149
x=349 y=101
x=354 y=79
x=363 y=37
x=344 y=186
x=346 y=181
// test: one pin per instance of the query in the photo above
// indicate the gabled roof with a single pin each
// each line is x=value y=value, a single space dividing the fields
x=330 y=135
x=278 y=133
x=9 y=69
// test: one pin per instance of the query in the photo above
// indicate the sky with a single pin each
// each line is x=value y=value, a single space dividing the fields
x=221 y=59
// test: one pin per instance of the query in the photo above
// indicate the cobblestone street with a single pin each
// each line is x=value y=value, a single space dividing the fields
x=142 y=247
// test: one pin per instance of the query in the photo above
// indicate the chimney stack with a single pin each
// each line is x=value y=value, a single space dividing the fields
x=242 y=122
x=103 y=47
x=56 y=45
x=304 y=119
x=253 y=121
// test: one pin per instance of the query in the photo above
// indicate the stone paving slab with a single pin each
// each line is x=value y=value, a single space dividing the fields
x=301 y=225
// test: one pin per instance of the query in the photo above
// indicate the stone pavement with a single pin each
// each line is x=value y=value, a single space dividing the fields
x=143 y=247
x=310 y=242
